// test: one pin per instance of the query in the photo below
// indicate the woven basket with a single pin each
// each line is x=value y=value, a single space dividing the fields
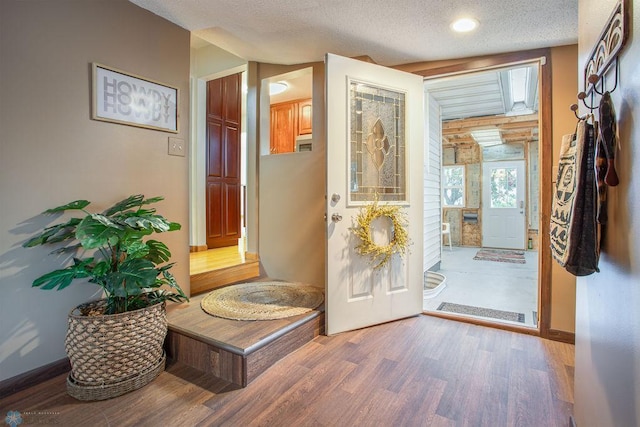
x=108 y=350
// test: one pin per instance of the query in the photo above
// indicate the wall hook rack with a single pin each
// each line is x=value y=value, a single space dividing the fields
x=606 y=50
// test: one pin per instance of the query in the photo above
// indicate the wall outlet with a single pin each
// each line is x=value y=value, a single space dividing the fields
x=176 y=147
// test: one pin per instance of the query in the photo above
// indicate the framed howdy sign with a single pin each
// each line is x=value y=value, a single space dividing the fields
x=124 y=98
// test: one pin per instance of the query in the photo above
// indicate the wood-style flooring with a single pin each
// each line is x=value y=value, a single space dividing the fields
x=215 y=259
x=421 y=371
x=214 y=268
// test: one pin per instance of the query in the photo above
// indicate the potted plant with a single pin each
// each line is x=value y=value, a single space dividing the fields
x=114 y=344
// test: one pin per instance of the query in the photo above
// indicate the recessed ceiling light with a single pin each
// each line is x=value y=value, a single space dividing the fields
x=277 y=87
x=464 y=25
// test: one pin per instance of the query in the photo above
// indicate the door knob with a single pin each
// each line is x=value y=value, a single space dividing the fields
x=336 y=217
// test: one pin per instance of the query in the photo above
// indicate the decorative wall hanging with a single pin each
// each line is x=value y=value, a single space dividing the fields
x=578 y=251
x=606 y=50
x=573 y=228
x=380 y=255
x=124 y=98
x=377 y=144
x=609 y=44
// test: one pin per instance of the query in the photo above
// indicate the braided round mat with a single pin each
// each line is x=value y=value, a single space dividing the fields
x=262 y=300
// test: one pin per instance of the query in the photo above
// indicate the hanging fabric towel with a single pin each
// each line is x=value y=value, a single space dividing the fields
x=574 y=239
x=608 y=137
x=601 y=173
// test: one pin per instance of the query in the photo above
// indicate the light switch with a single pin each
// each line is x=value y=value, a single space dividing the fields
x=176 y=147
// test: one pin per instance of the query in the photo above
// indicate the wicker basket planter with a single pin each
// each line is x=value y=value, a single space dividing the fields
x=113 y=354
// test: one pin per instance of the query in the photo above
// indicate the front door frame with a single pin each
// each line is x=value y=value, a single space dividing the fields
x=544 y=255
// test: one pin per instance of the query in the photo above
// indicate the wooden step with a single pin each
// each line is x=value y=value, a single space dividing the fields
x=209 y=280
x=235 y=351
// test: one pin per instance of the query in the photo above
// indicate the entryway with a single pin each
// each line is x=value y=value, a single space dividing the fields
x=488 y=140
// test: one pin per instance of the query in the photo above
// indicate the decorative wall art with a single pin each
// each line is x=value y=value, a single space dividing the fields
x=123 y=98
x=377 y=144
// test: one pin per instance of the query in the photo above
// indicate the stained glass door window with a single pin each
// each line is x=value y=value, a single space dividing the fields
x=377 y=144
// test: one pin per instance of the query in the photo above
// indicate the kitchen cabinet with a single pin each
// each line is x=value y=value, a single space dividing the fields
x=304 y=117
x=288 y=121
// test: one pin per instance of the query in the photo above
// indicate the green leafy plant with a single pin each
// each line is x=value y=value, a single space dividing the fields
x=111 y=252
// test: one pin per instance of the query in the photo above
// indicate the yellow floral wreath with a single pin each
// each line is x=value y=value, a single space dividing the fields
x=362 y=229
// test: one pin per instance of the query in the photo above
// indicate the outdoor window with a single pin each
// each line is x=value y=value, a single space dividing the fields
x=453 y=186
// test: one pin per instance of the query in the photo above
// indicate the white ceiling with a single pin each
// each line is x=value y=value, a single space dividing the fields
x=391 y=32
x=479 y=94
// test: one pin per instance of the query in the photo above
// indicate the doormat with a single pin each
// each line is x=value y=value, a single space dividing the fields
x=479 y=311
x=500 y=255
x=262 y=300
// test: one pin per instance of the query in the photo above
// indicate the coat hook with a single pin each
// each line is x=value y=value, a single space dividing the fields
x=574 y=108
x=593 y=80
x=615 y=84
x=582 y=96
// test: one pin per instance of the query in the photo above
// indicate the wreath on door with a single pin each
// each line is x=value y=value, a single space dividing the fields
x=380 y=255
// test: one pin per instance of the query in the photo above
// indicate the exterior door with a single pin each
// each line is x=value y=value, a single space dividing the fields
x=374 y=145
x=503 y=205
x=223 y=161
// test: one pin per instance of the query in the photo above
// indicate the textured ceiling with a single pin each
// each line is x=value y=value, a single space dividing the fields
x=391 y=32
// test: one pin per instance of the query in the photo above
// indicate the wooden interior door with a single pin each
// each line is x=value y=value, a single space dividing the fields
x=357 y=295
x=223 y=161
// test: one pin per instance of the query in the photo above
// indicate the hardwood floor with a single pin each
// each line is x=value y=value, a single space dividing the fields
x=215 y=259
x=214 y=268
x=421 y=371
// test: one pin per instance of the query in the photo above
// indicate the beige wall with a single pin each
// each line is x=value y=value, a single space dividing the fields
x=607 y=370
x=51 y=152
x=564 y=83
x=291 y=192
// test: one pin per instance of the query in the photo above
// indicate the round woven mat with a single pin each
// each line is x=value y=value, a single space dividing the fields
x=262 y=300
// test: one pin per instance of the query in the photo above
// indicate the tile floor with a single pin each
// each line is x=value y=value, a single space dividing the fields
x=488 y=284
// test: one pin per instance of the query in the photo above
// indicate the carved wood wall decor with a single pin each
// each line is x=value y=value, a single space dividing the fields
x=607 y=48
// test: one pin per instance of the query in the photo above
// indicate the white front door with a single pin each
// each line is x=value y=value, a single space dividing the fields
x=503 y=205
x=374 y=146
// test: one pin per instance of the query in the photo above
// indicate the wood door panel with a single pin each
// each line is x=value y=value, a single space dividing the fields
x=215 y=99
x=232 y=155
x=232 y=223
x=214 y=210
x=232 y=88
x=215 y=150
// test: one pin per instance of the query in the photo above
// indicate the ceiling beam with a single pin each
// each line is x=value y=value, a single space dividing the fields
x=459 y=126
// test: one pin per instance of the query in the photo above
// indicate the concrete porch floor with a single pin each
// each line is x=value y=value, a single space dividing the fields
x=488 y=284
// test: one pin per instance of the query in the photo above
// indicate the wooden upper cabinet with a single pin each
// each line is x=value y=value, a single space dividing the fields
x=288 y=121
x=283 y=128
x=304 y=117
